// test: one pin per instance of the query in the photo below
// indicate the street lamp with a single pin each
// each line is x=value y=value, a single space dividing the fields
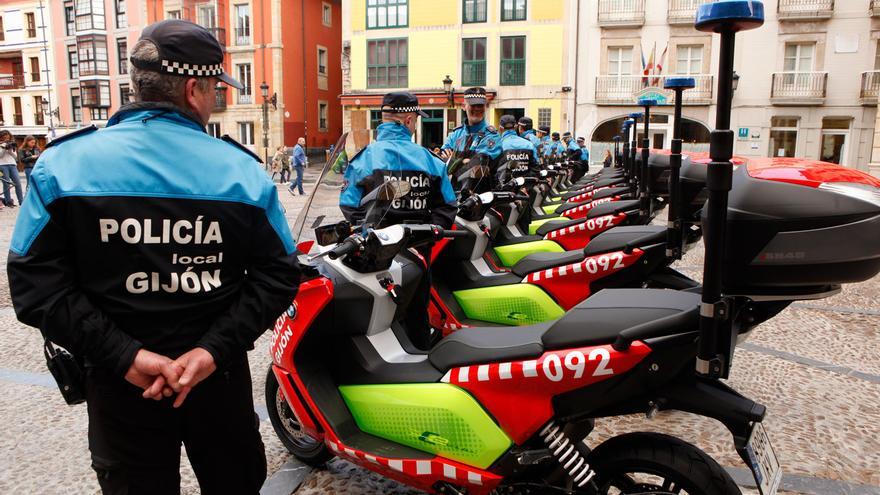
x=51 y=113
x=735 y=81
x=449 y=90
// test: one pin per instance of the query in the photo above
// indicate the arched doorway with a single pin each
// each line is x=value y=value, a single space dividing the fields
x=695 y=135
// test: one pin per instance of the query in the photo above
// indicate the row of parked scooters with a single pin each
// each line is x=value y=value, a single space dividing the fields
x=559 y=307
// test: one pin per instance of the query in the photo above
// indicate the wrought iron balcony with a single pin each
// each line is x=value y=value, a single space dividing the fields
x=220 y=34
x=11 y=81
x=683 y=11
x=219 y=99
x=623 y=90
x=870 y=90
x=794 y=10
x=874 y=8
x=798 y=88
x=513 y=72
x=621 y=13
x=473 y=72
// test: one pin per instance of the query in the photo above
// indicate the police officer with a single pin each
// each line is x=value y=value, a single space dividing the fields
x=518 y=156
x=553 y=148
x=527 y=132
x=585 y=153
x=157 y=255
x=573 y=152
x=430 y=199
x=475 y=140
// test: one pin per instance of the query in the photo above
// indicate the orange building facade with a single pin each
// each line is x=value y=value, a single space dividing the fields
x=281 y=51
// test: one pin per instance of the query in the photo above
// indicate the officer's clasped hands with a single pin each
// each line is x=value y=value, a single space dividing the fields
x=162 y=377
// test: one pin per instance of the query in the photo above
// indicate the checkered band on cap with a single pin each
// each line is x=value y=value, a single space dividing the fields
x=476 y=95
x=185 y=69
x=400 y=109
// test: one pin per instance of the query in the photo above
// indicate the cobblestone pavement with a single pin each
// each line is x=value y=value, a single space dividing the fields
x=815 y=367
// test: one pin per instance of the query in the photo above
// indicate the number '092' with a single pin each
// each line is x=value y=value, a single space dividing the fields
x=556 y=367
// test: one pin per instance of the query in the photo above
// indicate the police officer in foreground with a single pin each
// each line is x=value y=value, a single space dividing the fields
x=430 y=199
x=518 y=155
x=475 y=140
x=157 y=254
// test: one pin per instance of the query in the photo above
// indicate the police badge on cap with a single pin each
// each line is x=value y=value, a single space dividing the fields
x=402 y=102
x=475 y=96
x=185 y=49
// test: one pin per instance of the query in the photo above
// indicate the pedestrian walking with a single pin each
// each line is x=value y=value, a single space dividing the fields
x=277 y=160
x=9 y=168
x=299 y=162
x=285 y=166
x=158 y=272
x=27 y=155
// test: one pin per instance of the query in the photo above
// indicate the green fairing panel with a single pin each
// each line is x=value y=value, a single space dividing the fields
x=533 y=226
x=515 y=304
x=550 y=209
x=510 y=255
x=433 y=417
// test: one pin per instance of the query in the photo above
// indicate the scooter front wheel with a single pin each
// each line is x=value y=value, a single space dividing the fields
x=288 y=428
x=637 y=463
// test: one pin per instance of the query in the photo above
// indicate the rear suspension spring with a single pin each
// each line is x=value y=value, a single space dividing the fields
x=567 y=454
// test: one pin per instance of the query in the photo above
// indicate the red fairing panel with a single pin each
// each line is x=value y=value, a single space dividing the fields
x=440 y=317
x=289 y=330
x=811 y=173
x=578 y=236
x=571 y=284
x=420 y=473
x=586 y=195
x=519 y=394
x=583 y=210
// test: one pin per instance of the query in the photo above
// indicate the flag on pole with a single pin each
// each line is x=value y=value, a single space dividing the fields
x=649 y=68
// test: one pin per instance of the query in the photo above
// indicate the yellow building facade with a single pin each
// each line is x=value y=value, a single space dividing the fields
x=513 y=48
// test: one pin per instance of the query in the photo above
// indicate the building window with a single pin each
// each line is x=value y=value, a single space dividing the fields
x=798 y=57
x=31 y=25
x=38 y=110
x=75 y=105
x=246 y=133
x=122 y=51
x=35 y=69
x=876 y=55
x=690 y=60
x=327 y=14
x=619 y=60
x=322 y=61
x=387 y=14
x=124 y=93
x=121 y=18
x=322 y=115
x=89 y=15
x=214 y=129
x=835 y=134
x=513 y=10
x=544 y=115
x=207 y=16
x=73 y=62
x=245 y=96
x=473 y=62
x=474 y=10
x=17 y=118
x=2 y=32
x=100 y=113
x=92 y=56
x=172 y=14
x=513 y=61
x=783 y=136
x=69 y=19
x=375 y=119
x=387 y=65
x=242 y=24
x=95 y=93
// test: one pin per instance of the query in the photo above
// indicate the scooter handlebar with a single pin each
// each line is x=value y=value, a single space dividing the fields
x=347 y=246
x=454 y=233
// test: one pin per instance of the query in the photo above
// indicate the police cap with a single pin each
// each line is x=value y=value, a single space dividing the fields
x=507 y=122
x=545 y=129
x=555 y=136
x=402 y=102
x=475 y=96
x=525 y=122
x=185 y=49
x=567 y=134
x=581 y=139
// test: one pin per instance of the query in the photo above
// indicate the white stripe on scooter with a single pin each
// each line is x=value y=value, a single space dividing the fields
x=504 y=371
x=483 y=373
x=463 y=374
x=530 y=369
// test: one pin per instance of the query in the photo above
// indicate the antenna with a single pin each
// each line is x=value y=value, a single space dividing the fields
x=725 y=17
x=673 y=221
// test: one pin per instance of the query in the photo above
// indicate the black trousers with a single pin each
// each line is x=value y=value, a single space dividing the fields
x=135 y=442
x=418 y=327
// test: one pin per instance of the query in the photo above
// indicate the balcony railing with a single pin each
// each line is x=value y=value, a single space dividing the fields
x=870 y=87
x=242 y=37
x=874 y=8
x=17 y=119
x=622 y=90
x=38 y=119
x=473 y=73
x=513 y=72
x=791 y=10
x=220 y=99
x=11 y=81
x=245 y=99
x=683 y=11
x=621 y=13
x=798 y=88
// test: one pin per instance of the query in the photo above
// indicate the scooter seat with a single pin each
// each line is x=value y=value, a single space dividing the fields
x=609 y=241
x=596 y=321
x=552 y=225
x=613 y=207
